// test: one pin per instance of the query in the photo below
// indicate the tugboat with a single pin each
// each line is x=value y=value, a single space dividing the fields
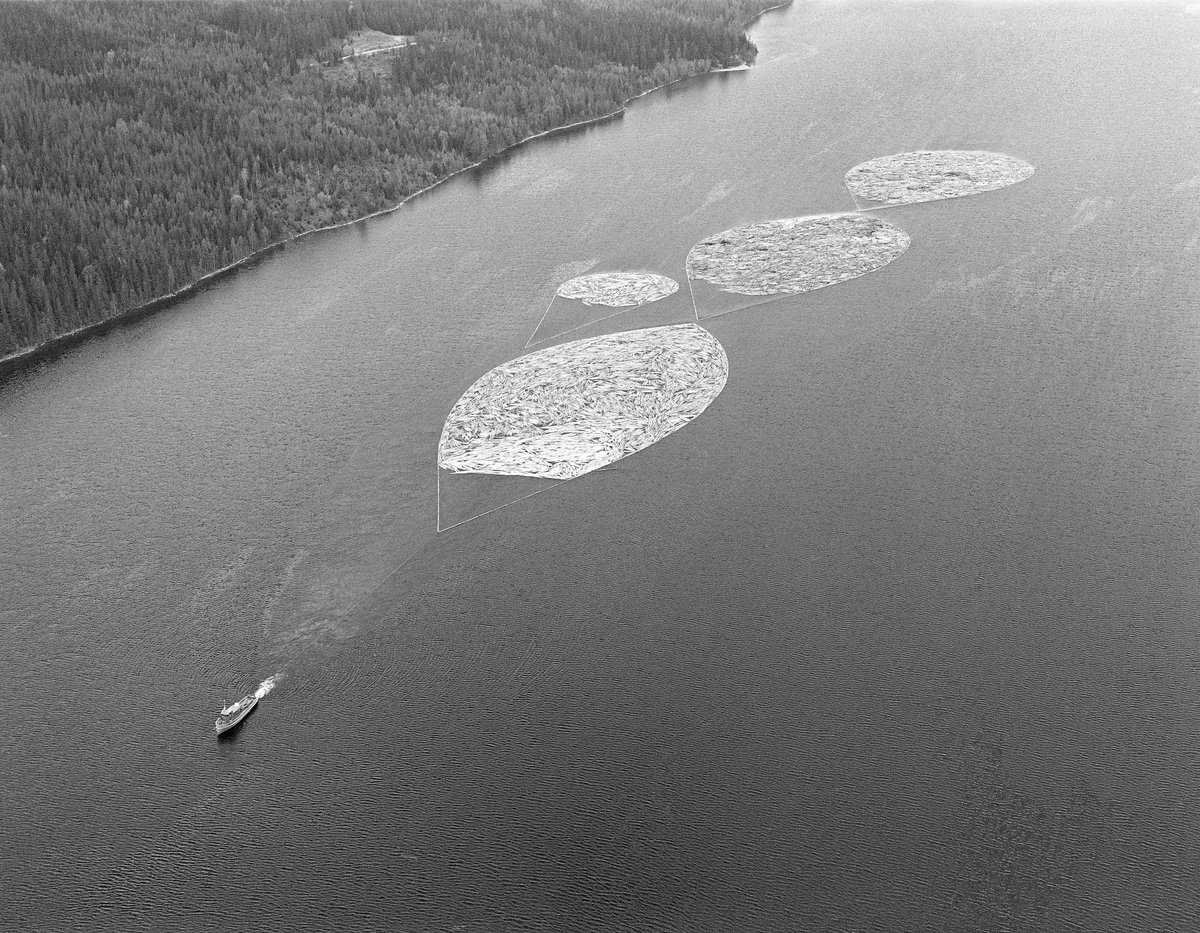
x=234 y=713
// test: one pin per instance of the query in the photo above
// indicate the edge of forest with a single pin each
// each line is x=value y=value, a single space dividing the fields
x=16 y=362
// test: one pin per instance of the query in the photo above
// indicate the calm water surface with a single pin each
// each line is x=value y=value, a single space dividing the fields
x=900 y=635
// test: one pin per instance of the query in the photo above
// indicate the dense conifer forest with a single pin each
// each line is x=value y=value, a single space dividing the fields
x=145 y=143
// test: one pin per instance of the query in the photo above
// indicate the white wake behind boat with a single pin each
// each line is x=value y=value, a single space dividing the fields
x=234 y=713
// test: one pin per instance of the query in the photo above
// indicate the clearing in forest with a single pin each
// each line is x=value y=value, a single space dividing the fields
x=371 y=42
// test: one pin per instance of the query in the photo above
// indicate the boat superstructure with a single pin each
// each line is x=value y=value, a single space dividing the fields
x=234 y=713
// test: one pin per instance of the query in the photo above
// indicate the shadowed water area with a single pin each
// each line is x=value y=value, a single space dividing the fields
x=899 y=634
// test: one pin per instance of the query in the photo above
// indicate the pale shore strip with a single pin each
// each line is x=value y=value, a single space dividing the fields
x=22 y=358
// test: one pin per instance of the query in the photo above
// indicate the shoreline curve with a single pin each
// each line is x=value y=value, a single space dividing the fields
x=22 y=359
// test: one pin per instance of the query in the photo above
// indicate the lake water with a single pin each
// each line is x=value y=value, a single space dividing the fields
x=901 y=634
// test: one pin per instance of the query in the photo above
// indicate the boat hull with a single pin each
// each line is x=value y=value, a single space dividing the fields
x=225 y=723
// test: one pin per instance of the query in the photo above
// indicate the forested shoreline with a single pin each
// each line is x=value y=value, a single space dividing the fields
x=147 y=144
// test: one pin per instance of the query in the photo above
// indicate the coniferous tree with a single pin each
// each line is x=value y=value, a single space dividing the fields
x=144 y=144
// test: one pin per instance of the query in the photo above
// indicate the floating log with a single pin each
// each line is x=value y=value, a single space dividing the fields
x=619 y=289
x=564 y=411
x=931 y=175
x=799 y=254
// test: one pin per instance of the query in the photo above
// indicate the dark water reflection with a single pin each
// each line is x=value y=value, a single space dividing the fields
x=899 y=635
